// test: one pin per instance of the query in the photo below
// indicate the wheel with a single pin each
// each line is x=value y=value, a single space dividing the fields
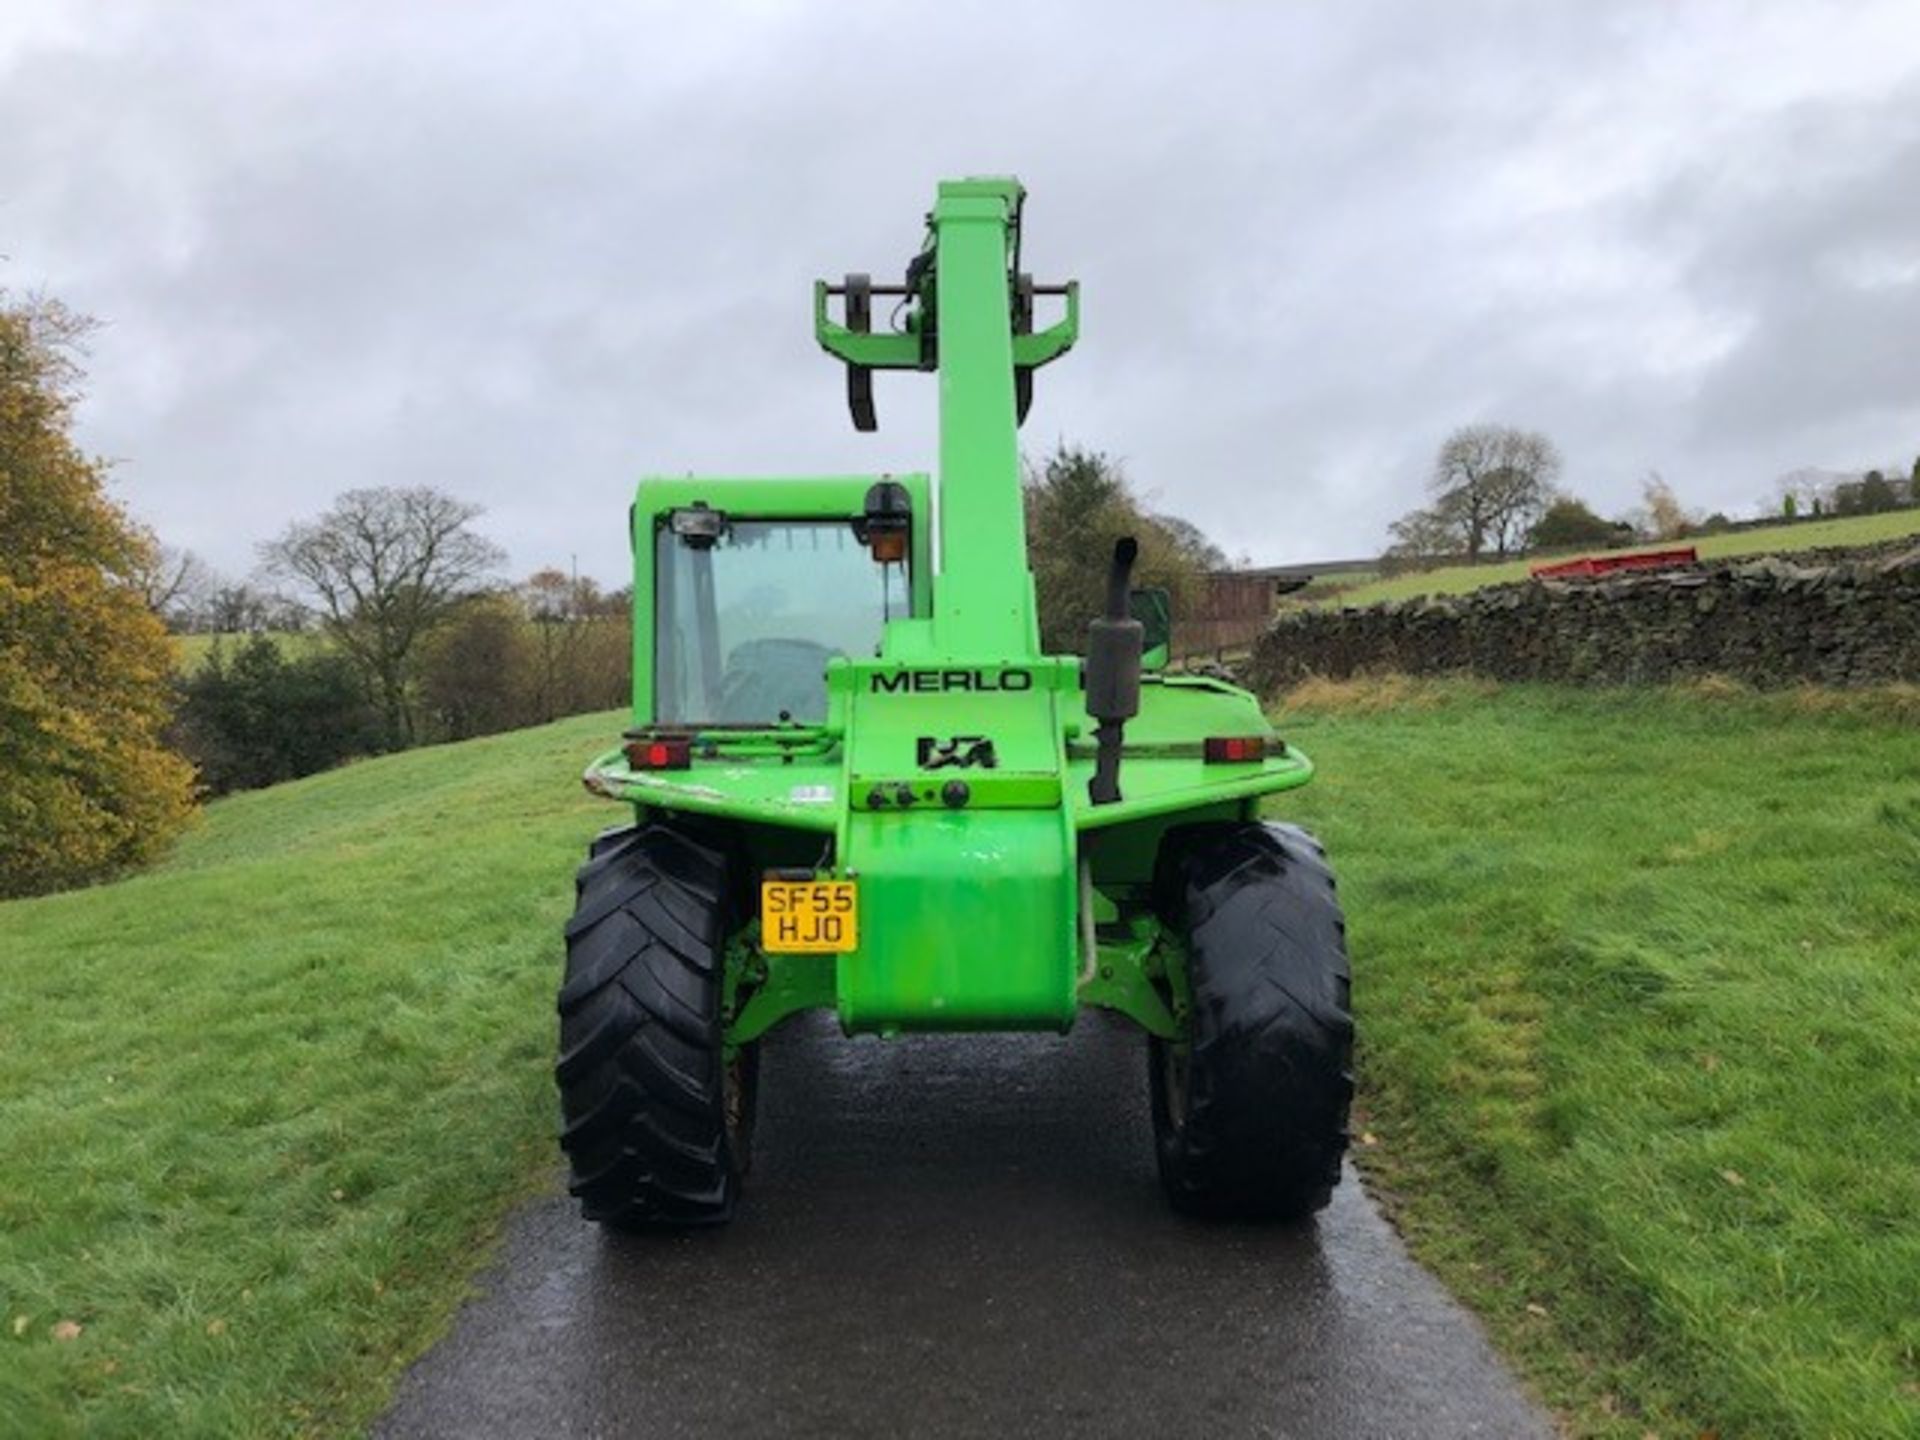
x=656 y=1123
x=1250 y=1110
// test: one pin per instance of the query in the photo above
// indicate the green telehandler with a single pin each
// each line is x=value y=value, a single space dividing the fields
x=858 y=784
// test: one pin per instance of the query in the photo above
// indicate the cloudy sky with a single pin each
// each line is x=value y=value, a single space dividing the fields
x=527 y=253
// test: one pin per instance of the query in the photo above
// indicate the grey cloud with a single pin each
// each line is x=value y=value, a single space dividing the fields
x=530 y=257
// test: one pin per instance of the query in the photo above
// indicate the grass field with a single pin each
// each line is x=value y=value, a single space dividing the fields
x=1638 y=978
x=191 y=651
x=262 y=1104
x=1813 y=534
x=1641 y=1060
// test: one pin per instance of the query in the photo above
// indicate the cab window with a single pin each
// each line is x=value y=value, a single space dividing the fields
x=744 y=625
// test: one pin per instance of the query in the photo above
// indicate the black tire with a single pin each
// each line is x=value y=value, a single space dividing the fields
x=1250 y=1114
x=656 y=1127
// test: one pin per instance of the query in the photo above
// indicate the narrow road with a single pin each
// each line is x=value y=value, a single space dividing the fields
x=960 y=1236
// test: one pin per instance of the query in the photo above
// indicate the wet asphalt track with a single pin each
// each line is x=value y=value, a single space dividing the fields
x=960 y=1236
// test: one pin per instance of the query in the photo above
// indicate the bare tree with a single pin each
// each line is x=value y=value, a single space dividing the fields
x=1421 y=537
x=1191 y=540
x=1787 y=497
x=383 y=567
x=1667 y=518
x=1493 y=482
x=175 y=583
x=238 y=609
x=552 y=603
x=550 y=597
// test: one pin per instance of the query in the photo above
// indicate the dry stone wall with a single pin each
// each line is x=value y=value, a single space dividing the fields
x=1767 y=621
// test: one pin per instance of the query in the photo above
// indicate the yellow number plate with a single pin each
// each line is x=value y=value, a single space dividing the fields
x=808 y=917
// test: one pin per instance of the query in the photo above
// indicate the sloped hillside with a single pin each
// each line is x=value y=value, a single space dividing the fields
x=262 y=1103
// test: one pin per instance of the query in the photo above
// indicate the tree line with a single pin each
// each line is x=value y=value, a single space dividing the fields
x=417 y=642
x=1810 y=493
x=1494 y=492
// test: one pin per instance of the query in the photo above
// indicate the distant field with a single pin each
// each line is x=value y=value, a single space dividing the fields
x=193 y=650
x=1331 y=587
x=1457 y=579
x=1639 y=1007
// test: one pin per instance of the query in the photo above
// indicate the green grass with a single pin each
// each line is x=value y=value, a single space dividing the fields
x=263 y=1105
x=1457 y=579
x=1331 y=588
x=1638 y=978
x=191 y=651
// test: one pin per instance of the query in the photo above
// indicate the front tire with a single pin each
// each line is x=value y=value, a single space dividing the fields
x=657 y=1123
x=1250 y=1109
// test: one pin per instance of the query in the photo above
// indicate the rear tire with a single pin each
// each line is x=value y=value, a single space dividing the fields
x=656 y=1125
x=1250 y=1112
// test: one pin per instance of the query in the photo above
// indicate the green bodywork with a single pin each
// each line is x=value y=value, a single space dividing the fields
x=1026 y=901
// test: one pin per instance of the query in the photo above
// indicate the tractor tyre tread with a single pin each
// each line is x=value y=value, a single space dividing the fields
x=1269 y=1080
x=640 y=1068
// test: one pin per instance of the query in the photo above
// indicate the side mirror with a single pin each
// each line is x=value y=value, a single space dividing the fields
x=1153 y=608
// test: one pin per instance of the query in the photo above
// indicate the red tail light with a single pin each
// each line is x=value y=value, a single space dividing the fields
x=1235 y=749
x=659 y=754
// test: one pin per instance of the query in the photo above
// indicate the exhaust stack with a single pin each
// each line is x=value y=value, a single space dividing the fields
x=1113 y=674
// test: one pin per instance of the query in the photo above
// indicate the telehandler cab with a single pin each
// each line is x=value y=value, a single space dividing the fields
x=858 y=784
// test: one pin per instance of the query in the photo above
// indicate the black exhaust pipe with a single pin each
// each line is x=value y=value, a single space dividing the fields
x=1113 y=674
